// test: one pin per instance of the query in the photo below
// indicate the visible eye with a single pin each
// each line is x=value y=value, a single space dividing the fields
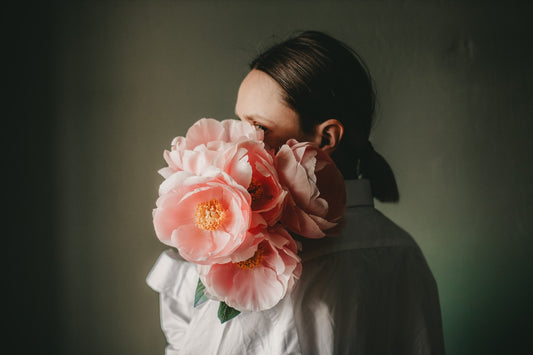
x=261 y=127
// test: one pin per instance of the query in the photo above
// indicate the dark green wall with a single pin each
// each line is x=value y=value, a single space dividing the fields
x=107 y=85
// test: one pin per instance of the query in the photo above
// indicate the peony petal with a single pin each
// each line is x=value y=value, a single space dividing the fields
x=256 y=290
x=293 y=175
x=274 y=261
x=236 y=130
x=193 y=243
x=234 y=161
x=168 y=216
x=166 y=172
x=299 y=222
x=179 y=143
x=322 y=223
x=196 y=161
x=169 y=160
x=248 y=248
x=218 y=279
x=203 y=131
x=173 y=181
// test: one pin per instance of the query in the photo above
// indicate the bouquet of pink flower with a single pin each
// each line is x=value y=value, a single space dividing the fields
x=229 y=205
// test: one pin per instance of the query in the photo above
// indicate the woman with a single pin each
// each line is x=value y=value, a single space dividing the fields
x=367 y=291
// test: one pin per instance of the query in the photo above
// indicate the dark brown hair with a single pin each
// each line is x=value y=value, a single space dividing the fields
x=323 y=78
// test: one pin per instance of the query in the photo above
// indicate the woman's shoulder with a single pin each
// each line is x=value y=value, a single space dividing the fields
x=372 y=251
x=365 y=228
x=372 y=227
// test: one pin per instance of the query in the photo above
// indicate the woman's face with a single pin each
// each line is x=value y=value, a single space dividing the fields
x=260 y=102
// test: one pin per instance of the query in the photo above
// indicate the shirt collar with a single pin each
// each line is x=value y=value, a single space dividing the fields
x=358 y=193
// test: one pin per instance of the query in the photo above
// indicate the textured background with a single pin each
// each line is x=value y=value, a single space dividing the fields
x=101 y=88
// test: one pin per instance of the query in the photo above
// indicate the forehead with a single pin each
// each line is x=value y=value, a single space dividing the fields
x=260 y=95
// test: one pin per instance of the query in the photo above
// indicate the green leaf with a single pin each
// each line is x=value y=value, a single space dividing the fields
x=225 y=312
x=199 y=295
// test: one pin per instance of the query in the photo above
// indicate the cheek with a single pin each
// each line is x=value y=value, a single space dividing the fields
x=275 y=139
x=273 y=142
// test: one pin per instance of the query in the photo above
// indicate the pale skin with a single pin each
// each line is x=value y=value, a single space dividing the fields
x=260 y=102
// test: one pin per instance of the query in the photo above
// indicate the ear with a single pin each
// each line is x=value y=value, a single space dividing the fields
x=329 y=134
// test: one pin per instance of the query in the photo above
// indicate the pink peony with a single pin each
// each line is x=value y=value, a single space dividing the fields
x=228 y=204
x=237 y=148
x=317 y=196
x=205 y=217
x=202 y=143
x=250 y=164
x=259 y=282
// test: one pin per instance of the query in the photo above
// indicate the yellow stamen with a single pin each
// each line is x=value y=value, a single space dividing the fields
x=254 y=261
x=209 y=215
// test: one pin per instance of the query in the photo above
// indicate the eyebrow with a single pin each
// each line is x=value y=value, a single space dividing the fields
x=254 y=117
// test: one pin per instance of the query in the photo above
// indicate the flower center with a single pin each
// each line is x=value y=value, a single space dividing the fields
x=253 y=261
x=209 y=215
x=256 y=190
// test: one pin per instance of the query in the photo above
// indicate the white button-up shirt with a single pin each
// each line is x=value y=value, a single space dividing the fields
x=368 y=291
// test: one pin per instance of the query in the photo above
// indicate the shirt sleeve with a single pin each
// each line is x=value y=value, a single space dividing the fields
x=175 y=279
